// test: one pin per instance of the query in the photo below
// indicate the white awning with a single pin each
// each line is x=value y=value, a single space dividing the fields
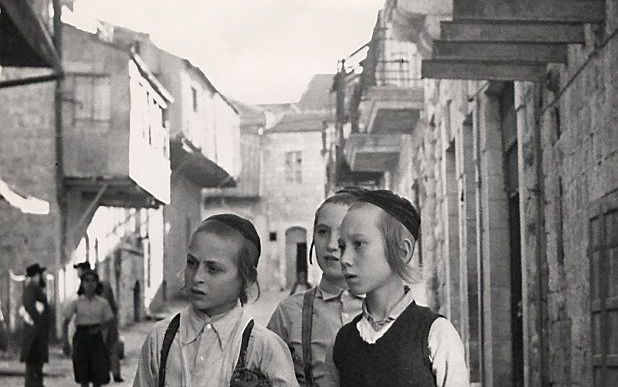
x=26 y=204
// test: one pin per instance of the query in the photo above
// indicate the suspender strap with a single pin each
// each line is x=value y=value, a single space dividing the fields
x=306 y=336
x=242 y=363
x=170 y=332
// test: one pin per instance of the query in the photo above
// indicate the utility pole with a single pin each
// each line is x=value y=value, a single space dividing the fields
x=60 y=188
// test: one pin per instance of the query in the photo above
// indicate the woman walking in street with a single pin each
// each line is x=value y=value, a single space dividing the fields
x=214 y=342
x=93 y=316
x=309 y=321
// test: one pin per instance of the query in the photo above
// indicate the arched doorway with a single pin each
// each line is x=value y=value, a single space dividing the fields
x=295 y=254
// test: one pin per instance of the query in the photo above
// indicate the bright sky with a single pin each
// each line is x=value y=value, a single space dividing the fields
x=256 y=51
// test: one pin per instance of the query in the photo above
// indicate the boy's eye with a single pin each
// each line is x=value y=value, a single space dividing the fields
x=358 y=244
x=214 y=268
x=322 y=231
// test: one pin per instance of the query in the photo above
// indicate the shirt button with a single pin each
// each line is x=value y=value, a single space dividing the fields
x=208 y=326
x=345 y=315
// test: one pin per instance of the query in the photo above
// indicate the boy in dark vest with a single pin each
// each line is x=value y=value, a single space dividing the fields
x=394 y=342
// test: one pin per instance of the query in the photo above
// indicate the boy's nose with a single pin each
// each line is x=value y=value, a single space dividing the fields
x=345 y=259
x=333 y=243
x=200 y=275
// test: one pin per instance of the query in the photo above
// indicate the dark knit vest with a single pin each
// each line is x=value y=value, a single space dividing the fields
x=399 y=358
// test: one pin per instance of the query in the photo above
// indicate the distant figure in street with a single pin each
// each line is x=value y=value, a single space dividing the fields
x=214 y=342
x=393 y=341
x=114 y=343
x=36 y=317
x=309 y=321
x=93 y=317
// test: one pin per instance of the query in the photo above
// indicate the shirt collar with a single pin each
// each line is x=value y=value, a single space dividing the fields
x=341 y=294
x=397 y=310
x=222 y=324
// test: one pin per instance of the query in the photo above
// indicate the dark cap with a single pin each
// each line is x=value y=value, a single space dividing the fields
x=82 y=265
x=33 y=269
x=354 y=191
x=242 y=225
x=396 y=206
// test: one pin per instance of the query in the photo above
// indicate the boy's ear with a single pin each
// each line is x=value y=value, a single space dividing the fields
x=407 y=248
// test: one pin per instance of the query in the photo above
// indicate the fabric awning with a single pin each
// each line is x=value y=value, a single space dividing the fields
x=24 y=203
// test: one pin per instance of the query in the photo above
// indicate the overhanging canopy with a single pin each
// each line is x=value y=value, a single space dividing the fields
x=508 y=40
x=188 y=160
x=24 y=40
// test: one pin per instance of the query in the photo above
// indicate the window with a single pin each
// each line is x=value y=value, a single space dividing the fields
x=293 y=167
x=194 y=98
x=91 y=97
x=272 y=236
x=604 y=291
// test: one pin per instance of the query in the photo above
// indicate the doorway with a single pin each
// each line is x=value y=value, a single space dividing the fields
x=296 y=256
x=511 y=175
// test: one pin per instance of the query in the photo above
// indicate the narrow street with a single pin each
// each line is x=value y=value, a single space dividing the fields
x=59 y=372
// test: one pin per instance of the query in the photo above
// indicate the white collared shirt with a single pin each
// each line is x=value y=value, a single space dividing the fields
x=205 y=351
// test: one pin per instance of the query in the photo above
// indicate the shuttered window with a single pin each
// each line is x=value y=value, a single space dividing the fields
x=92 y=97
x=604 y=291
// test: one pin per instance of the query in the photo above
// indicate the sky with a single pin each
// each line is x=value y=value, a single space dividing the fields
x=255 y=51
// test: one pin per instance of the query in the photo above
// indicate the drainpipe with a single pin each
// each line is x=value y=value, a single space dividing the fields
x=479 y=186
x=60 y=189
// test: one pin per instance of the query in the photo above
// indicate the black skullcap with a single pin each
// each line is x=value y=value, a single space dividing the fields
x=396 y=206
x=33 y=269
x=354 y=191
x=242 y=225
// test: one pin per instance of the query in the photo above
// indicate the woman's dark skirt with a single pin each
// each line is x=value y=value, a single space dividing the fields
x=91 y=361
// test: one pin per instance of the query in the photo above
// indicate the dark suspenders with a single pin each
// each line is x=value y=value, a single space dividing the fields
x=307 y=324
x=170 y=332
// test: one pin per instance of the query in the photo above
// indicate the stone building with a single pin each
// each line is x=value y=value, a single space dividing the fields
x=89 y=140
x=205 y=148
x=26 y=28
x=282 y=181
x=513 y=166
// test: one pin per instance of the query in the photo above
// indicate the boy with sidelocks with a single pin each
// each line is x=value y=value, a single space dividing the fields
x=214 y=342
x=394 y=342
x=309 y=321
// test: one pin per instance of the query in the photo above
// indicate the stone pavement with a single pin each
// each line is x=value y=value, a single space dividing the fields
x=59 y=371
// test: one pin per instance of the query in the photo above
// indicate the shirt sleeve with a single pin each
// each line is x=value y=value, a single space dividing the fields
x=70 y=310
x=277 y=362
x=147 y=366
x=446 y=353
x=106 y=312
x=331 y=377
x=278 y=324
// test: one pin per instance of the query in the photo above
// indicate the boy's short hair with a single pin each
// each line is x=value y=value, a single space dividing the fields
x=249 y=249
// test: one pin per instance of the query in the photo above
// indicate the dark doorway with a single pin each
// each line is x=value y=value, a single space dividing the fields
x=137 y=289
x=301 y=258
x=511 y=174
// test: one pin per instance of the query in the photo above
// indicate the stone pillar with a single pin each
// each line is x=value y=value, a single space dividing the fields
x=469 y=284
x=494 y=244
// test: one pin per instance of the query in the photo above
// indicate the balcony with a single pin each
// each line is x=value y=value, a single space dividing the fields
x=372 y=152
x=115 y=139
x=391 y=109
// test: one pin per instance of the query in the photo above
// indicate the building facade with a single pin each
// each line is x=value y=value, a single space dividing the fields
x=283 y=181
x=512 y=165
x=90 y=140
